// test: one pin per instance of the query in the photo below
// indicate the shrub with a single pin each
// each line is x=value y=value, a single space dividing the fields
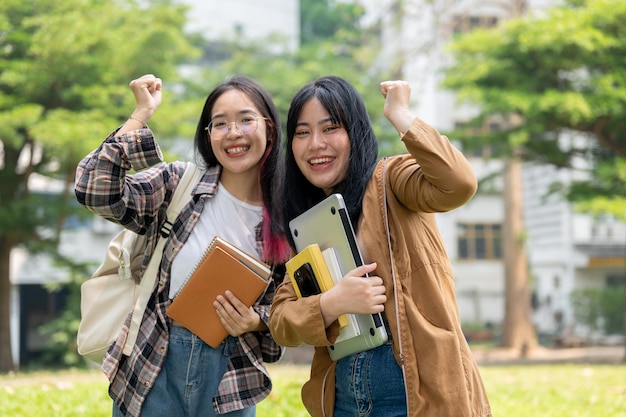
x=600 y=308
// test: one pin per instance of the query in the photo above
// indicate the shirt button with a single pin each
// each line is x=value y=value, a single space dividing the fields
x=146 y=383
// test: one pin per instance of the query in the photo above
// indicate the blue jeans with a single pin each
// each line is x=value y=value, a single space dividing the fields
x=186 y=385
x=370 y=384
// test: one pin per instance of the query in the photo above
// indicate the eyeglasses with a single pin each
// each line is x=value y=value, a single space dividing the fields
x=246 y=125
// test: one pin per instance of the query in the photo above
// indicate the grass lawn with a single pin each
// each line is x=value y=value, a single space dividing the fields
x=514 y=391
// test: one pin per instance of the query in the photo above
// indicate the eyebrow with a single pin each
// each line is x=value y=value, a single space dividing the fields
x=321 y=122
x=239 y=113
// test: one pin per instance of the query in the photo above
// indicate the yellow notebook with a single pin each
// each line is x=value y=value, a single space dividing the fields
x=309 y=275
x=224 y=267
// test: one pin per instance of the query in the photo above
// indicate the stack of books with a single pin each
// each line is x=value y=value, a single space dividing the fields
x=224 y=267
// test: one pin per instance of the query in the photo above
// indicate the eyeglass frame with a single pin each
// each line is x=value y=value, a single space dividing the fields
x=229 y=124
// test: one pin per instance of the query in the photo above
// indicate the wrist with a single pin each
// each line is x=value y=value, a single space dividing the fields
x=141 y=115
x=260 y=325
x=138 y=120
x=402 y=121
x=327 y=308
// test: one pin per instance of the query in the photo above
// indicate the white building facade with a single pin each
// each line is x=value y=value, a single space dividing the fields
x=252 y=20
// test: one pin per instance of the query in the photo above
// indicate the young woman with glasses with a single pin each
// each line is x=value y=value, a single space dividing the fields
x=426 y=369
x=171 y=372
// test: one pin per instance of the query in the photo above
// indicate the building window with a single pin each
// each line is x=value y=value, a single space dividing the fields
x=614 y=281
x=479 y=241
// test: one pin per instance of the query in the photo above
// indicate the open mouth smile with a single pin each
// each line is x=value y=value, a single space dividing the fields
x=237 y=149
x=321 y=160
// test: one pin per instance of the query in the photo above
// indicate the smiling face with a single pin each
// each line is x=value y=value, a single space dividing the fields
x=236 y=152
x=321 y=147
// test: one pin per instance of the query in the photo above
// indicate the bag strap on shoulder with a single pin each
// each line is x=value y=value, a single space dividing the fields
x=182 y=195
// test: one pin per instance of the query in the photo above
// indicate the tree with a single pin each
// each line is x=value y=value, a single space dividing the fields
x=559 y=73
x=556 y=78
x=325 y=20
x=64 y=70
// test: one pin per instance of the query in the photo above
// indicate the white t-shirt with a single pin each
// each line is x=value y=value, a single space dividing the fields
x=225 y=216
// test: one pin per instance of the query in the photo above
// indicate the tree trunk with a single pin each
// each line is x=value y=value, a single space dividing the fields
x=13 y=191
x=6 y=354
x=518 y=331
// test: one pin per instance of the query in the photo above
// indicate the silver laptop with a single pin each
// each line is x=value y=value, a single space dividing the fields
x=328 y=224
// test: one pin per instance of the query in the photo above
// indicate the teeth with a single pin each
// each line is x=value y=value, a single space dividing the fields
x=238 y=149
x=320 y=160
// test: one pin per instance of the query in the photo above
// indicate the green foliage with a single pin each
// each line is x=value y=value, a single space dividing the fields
x=61 y=348
x=64 y=72
x=547 y=75
x=606 y=193
x=600 y=308
x=327 y=19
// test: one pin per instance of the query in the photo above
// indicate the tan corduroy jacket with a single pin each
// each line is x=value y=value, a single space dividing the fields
x=441 y=376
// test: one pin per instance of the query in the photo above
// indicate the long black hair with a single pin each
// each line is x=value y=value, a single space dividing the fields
x=345 y=106
x=271 y=173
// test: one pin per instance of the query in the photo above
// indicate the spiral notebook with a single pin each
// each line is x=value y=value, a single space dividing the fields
x=223 y=267
x=328 y=225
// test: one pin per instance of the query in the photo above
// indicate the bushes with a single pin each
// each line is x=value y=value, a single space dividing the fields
x=601 y=309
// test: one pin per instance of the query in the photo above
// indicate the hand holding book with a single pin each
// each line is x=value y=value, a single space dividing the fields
x=236 y=317
x=224 y=268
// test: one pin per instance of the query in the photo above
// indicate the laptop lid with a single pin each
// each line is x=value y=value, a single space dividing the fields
x=328 y=224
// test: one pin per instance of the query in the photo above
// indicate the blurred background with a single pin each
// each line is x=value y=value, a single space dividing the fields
x=533 y=92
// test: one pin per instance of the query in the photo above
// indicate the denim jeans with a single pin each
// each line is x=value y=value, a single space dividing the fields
x=370 y=384
x=186 y=385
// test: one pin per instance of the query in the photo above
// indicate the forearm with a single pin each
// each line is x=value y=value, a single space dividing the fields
x=101 y=183
x=295 y=321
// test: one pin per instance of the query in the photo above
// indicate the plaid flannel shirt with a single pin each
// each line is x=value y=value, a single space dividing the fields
x=139 y=202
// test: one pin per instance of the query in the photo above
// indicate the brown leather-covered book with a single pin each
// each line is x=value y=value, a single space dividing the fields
x=225 y=267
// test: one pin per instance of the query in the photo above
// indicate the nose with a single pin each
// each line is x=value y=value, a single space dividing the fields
x=233 y=130
x=317 y=140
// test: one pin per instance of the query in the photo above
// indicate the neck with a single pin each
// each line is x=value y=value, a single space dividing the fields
x=244 y=187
